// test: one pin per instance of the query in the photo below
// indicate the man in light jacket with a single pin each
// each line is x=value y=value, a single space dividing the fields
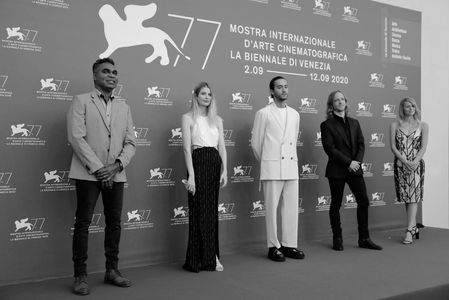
x=274 y=137
x=100 y=131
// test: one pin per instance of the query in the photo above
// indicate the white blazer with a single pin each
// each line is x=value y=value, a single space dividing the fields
x=273 y=147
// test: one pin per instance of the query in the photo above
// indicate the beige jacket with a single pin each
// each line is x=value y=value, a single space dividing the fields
x=94 y=143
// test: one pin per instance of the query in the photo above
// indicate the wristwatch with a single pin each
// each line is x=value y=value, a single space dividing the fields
x=119 y=164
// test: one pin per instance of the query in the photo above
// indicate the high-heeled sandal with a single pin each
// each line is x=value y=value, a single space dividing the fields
x=218 y=266
x=414 y=232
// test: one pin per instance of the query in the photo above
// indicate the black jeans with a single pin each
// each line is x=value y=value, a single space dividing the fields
x=87 y=193
x=358 y=188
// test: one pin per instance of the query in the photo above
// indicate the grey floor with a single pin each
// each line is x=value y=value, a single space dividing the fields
x=324 y=274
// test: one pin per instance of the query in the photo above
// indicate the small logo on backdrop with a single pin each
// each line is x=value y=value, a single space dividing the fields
x=226 y=211
x=389 y=111
x=363 y=48
x=299 y=143
x=140 y=133
x=121 y=33
x=95 y=225
x=242 y=174
x=175 y=139
x=322 y=8
x=118 y=92
x=25 y=135
x=291 y=4
x=376 y=80
x=240 y=101
x=257 y=209
x=28 y=229
x=228 y=139
x=19 y=38
x=160 y=177
x=366 y=167
x=377 y=140
x=364 y=109
x=4 y=92
x=308 y=171
x=53 y=89
x=52 y=3
x=350 y=201
x=180 y=216
x=349 y=14
x=6 y=184
x=324 y=203
x=300 y=207
x=377 y=199
x=137 y=219
x=400 y=83
x=307 y=106
x=317 y=141
x=56 y=181
x=388 y=169
x=157 y=95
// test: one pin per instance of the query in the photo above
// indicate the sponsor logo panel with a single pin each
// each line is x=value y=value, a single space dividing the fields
x=56 y=181
x=321 y=8
x=226 y=211
x=137 y=219
x=7 y=183
x=29 y=228
x=21 y=38
x=25 y=135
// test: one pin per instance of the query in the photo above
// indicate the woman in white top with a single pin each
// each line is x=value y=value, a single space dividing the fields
x=205 y=157
x=408 y=141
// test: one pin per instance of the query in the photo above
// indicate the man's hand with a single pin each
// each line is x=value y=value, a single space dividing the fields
x=107 y=172
x=354 y=166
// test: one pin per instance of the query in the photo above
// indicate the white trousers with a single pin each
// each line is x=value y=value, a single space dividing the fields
x=285 y=193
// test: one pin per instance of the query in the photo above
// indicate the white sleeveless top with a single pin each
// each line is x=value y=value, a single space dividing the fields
x=203 y=134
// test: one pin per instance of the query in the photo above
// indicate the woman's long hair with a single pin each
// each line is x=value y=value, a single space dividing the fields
x=330 y=104
x=416 y=116
x=212 y=116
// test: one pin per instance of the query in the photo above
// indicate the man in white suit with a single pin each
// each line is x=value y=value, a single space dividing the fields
x=274 y=136
x=100 y=131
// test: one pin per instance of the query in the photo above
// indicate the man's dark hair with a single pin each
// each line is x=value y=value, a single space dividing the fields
x=100 y=61
x=273 y=81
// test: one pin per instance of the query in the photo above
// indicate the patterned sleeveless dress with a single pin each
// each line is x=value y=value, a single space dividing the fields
x=409 y=185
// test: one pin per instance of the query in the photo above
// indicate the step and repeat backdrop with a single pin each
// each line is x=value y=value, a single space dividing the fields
x=162 y=49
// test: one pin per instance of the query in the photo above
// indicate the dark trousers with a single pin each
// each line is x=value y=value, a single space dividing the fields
x=87 y=193
x=358 y=188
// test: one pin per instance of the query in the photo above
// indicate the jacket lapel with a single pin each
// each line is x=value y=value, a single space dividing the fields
x=353 y=133
x=287 y=119
x=274 y=115
x=279 y=121
x=97 y=101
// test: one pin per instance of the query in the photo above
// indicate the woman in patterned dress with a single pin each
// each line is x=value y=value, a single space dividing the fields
x=205 y=157
x=408 y=141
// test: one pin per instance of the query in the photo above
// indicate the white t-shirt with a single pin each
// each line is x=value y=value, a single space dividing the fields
x=281 y=115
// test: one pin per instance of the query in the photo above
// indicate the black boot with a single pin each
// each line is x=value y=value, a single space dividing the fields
x=337 y=244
